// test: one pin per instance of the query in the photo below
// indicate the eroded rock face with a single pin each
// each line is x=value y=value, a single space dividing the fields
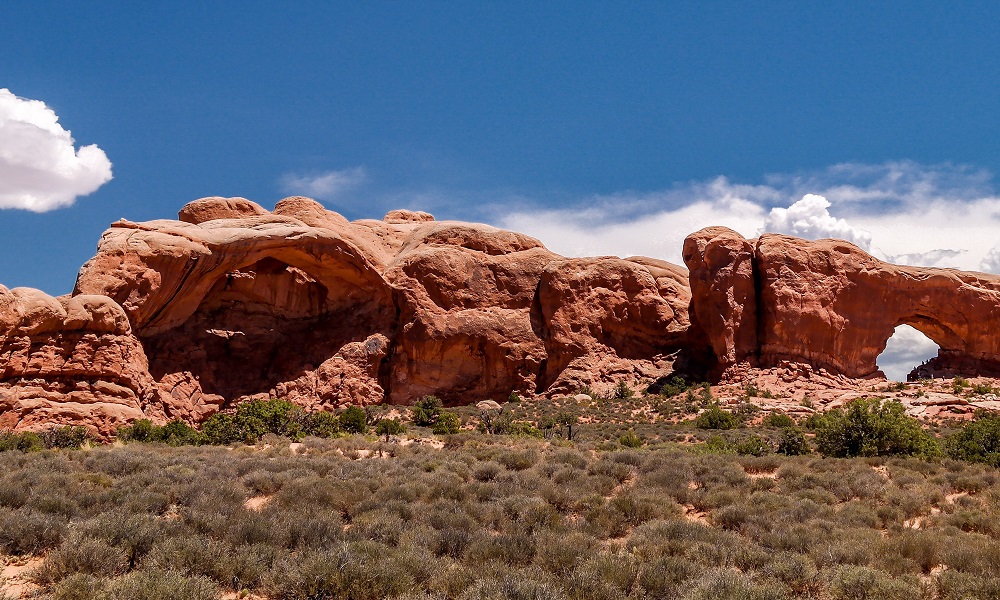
x=723 y=290
x=830 y=305
x=610 y=316
x=70 y=361
x=234 y=302
x=181 y=319
x=230 y=308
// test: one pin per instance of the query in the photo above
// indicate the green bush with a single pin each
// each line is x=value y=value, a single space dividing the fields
x=220 y=430
x=630 y=440
x=753 y=445
x=389 y=427
x=779 y=420
x=25 y=441
x=447 y=423
x=873 y=427
x=793 y=442
x=715 y=418
x=622 y=391
x=978 y=441
x=322 y=424
x=67 y=437
x=354 y=420
x=426 y=411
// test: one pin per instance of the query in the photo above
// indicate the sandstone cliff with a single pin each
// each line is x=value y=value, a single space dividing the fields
x=233 y=301
x=183 y=318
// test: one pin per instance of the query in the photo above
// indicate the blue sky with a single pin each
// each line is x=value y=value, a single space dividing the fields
x=598 y=127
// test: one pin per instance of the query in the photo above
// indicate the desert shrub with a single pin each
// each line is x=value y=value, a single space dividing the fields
x=77 y=587
x=66 y=437
x=664 y=576
x=954 y=585
x=24 y=531
x=873 y=427
x=753 y=445
x=560 y=553
x=795 y=570
x=161 y=585
x=793 y=442
x=354 y=420
x=513 y=586
x=25 y=441
x=724 y=583
x=865 y=583
x=87 y=556
x=447 y=423
x=516 y=548
x=779 y=420
x=715 y=418
x=618 y=572
x=389 y=427
x=517 y=460
x=630 y=440
x=977 y=441
x=356 y=571
x=426 y=411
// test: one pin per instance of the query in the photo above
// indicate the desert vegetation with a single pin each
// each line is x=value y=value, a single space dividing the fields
x=628 y=496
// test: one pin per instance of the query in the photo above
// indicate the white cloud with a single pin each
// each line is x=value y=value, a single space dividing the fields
x=40 y=170
x=902 y=212
x=593 y=231
x=326 y=185
x=906 y=349
x=991 y=262
x=810 y=218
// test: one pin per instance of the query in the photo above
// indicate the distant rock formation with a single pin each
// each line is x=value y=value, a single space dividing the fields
x=830 y=305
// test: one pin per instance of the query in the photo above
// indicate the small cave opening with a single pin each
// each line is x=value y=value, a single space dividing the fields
x=905 y=351
x=261 y=325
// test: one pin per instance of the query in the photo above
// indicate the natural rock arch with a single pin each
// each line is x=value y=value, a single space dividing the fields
x=228 y=309
x=829 y=304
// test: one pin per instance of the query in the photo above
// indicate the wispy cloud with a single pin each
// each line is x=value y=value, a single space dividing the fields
x=326 y=185
x=40 y=169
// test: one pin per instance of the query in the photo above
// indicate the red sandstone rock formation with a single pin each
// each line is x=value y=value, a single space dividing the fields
x=70 y=361
x=181 y=319
x=829 y=304
x=724 y=297
x=232 y=302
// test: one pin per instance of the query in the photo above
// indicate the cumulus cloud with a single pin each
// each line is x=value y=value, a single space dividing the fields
x=326 y=185
x=991 y=262
x=906 y=349
x=902 y=212
x=40 y=170
x=810 y=218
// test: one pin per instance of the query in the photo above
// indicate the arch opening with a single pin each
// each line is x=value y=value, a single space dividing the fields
x=905 y=351
x=262 y=325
